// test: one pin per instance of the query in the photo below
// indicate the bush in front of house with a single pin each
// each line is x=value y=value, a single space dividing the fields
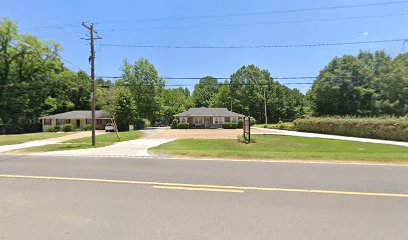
x=240 y=123
x=54 y=129
x=380 y=128
x=174 y=124
x=67 y=127
x=183 y=125
x=229 y=125
x=139 y=124
x=87 y=127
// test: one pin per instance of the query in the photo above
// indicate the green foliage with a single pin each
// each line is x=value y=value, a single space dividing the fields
x=34 y=81
x=124 y=109
x=281 y=125
x=175 y=101
x=174 y=124
x=87 y=127
x=364 y=85
x=67 y=128
x=380 y=128
x=204 y=91
x=145 y=87
x=240 y=123
x=54 y=129
x=141 y=123
x=252 y=87
x=183 y=125
x=241 y=139
x=228 y=125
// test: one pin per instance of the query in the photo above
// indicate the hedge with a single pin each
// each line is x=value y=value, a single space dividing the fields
x=87 y=127
x=174 y=124
x=282 y=126
x=54 y=129
x=379 y=128
x=184 y=125
x=229 y=125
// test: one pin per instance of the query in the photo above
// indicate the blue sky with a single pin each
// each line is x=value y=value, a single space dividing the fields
x=113 y=17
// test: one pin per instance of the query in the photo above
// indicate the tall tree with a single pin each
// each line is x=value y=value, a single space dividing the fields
x=146 y=87
x=204 y=91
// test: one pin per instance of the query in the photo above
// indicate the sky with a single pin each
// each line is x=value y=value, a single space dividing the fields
x=225 y=23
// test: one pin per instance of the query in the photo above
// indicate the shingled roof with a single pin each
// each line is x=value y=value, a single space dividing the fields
x=203 y=112
x=78 y=115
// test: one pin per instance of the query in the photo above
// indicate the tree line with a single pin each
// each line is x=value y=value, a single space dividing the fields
x=34 y=82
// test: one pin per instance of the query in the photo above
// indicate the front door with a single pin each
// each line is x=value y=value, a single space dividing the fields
x=207 y=122
x=78 y=123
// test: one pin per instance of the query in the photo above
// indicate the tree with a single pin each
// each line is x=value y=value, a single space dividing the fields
x=146 y=87
x=175 y=101
x=204 y=91
x=223 y=98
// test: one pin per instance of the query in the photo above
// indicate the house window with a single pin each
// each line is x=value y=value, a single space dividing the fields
x=183 y=119
x=47 y=121
x=218 y=120
x=88 y=121
x=198 y=120
x=62 y=121
x=234 y=120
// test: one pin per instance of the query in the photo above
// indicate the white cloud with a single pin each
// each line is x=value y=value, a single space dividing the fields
x=365 y=33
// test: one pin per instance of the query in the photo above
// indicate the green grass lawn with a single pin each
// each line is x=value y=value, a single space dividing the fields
x=26 y=137
x=83 y=143
x=285 y=147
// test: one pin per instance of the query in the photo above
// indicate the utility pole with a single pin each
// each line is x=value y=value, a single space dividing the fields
x=266 y=114
x=92 y=60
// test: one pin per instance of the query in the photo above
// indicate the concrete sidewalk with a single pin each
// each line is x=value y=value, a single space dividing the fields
x=43 y=142
x=133 y=148
x=327 y=136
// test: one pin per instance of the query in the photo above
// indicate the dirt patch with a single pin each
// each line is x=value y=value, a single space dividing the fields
x=199 y=133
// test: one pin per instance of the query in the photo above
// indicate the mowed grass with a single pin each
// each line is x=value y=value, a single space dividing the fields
x=9 y=139
x=83 y=143
x=285 y=148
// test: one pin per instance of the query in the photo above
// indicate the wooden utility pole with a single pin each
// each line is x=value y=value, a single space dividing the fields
x=266 y=113
x=92 y=60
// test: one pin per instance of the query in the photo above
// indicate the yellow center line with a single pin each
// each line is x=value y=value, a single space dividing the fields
x=199 y=189
x=376 y=194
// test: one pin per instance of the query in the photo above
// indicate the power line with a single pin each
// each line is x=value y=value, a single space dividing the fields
x=258 y=13
x=219 y=78
x=255 y=46
x=257 y=23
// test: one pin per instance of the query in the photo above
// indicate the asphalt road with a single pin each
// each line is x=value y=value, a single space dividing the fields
x=45 y=197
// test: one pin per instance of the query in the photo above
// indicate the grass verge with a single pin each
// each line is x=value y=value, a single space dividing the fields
x=9 y=139
x=285 y=148
x=83 y=143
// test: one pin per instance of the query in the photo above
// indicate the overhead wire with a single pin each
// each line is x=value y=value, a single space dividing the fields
x=255 y=46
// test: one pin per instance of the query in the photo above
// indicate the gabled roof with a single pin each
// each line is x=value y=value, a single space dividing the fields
x=78 y=115
x=203 y=112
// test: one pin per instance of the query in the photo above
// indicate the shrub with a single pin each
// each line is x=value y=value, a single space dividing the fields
x=229 y=125
x=281 y=125
x=240 y=123
x=183 y=125
x=141 y=124
x=147 y=123
x=54 y=129
x=241 y=139
x=87 y=127
x=253 y=121
x=174 y=124
x=380 y=128
x=67 y=127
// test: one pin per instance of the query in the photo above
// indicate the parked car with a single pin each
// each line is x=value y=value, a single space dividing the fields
x=160 y=124
x=109 y=127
